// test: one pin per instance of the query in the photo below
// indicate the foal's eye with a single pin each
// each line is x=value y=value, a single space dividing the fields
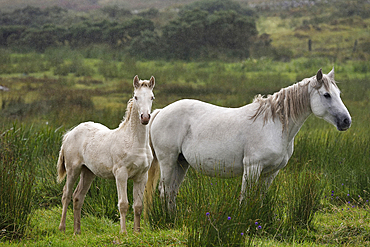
x=153 y=98
x=135 y=97
x=327 y=95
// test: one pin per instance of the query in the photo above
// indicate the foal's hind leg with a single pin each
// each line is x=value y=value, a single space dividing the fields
x=82 y=188
x=72 y=176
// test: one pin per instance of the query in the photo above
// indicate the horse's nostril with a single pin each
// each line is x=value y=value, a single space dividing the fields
x=346 y=121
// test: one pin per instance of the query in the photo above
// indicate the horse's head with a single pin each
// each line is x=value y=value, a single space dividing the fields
x=143 y=98
x=326 y=102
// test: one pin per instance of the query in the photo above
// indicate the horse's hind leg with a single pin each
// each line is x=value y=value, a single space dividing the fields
x=82 y=188
x=72 y=175
x=172 y=175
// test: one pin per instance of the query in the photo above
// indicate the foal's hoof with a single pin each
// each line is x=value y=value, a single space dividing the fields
x=62 y=229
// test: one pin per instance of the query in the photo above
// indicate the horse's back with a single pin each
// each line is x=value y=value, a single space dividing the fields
x=206 y=135
x=173 y=122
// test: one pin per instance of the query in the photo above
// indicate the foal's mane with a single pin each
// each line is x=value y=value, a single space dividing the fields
x=289 y=102
x=127 y=117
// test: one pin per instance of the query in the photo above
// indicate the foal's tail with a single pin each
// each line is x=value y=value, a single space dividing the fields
x=153 y=174
x=61 y=165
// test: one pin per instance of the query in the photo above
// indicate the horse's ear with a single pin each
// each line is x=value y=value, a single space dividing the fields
x=319 y=75
x=152 y=82
x=331 y=74
x=136 y=82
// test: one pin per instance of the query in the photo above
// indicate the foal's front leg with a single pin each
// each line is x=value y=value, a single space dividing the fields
x=121 y=182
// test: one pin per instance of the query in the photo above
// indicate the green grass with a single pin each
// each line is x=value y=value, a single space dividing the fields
x=96 y=231
x=323 y=160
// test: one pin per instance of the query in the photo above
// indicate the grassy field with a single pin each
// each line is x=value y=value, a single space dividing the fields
x=41 y=106
x=320 y=198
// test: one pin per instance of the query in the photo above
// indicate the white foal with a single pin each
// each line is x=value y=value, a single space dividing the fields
x=91 y=149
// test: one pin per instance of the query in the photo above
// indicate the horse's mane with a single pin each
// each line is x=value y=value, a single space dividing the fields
x=289 y=102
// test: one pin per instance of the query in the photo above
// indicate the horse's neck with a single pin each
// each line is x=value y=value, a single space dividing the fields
x=294 y=128
x=296 y=125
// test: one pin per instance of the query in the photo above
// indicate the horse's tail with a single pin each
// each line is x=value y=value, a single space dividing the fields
x=153 y=174
x=61 y=165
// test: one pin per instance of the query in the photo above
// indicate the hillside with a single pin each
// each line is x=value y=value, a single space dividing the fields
x=8 y=5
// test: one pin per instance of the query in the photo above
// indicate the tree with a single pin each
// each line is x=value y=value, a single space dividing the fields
x=184 y=37
x=40 y=39
x=197 y=32
x=229 y=30
x=135 y=26
x=147 y=45
x=212 y=6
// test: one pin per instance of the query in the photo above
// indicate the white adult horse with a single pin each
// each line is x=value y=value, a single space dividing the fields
x=91 y=149
x=255 y=140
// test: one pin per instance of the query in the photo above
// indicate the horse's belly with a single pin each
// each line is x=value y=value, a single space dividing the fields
x=225 y=168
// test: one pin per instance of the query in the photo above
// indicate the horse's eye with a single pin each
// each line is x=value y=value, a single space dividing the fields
x=135 y=98
x=153 y=98
x=327 y=95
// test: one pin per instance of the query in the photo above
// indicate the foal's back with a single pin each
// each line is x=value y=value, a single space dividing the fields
x=89 y=144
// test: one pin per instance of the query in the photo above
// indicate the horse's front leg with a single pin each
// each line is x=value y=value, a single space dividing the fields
x=139 y=187
x=121 y=176
x=251 y=175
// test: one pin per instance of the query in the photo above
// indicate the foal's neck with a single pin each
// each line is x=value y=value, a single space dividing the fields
x=138 y=132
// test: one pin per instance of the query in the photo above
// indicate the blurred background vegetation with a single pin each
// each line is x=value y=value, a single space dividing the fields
x=205 y=29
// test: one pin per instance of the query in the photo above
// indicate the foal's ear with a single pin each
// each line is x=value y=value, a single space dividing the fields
x=331 y=74
x=136 y=82
x=319 y=75
x=152 y=82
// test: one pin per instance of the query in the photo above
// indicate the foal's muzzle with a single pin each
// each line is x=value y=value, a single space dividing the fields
x=144 y=119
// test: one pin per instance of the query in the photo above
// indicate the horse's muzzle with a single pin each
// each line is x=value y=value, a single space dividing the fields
x=344 y=123
x=144 y=119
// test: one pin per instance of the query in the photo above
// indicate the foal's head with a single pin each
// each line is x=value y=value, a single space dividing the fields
x=326 y=102
x=143 y=98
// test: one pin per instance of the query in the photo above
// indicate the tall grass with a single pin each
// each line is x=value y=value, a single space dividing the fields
x=212 y=214
x=341 y=157
x=17 y=177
